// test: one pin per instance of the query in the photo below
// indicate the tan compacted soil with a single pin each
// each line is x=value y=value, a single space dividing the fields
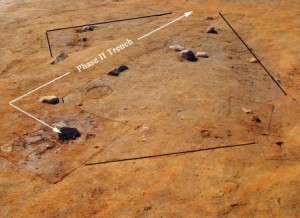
x=167 y=137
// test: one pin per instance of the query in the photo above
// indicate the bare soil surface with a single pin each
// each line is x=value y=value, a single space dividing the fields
x=167 y=137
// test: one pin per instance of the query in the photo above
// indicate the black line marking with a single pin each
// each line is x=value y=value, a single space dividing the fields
x=111 y=21
x=169 y=154
x=252 y=53
x=48 y=41
x=104 y=22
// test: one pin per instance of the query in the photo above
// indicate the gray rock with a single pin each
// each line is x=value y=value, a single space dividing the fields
x=211 y=29
x=177 y=47
x=253 y=60
x=188 y=55
x=117 y=70
x=202 y=54
x=49 y=99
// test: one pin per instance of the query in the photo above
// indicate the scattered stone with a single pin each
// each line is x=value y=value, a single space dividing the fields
x=177 y=47
x=209 y=18
x=279 y=143
x=201 y=54
x=49 y=99
x=145 y=128
x=279 y=81
x=83 y=39
x=148 y=207
x=253 y=60
x=203 y=131
x=87 y=28
x=256 y=119
x=188 y=55
x=61 y=56
x=50 y=146
x=212 y=30
x=68 y=133
x=247 y=111
x=116 y=71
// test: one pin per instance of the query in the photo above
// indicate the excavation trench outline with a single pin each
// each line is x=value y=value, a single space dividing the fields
x=55 y=129
x=126 y=159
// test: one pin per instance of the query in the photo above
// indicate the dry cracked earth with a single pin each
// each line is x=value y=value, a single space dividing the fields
x=218 y=137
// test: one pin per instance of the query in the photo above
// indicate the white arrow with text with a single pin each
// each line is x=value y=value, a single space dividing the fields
x=179 y=18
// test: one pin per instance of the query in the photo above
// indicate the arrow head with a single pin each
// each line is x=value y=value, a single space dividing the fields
x=188 y=13
x=56 y=130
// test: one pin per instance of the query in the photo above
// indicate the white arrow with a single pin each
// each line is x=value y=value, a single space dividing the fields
x=42 y=122
x=33 y=117
x=185 y=15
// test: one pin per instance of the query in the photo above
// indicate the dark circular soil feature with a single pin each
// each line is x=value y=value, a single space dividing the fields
x=98 y=92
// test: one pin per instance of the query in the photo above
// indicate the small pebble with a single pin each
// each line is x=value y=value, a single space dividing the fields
x=253 y=60
x=177 y=47
x=202 y=54
x=83 y=39
x=49 y=99
x=256 y=119
x=87 y=28
x=211 y=29
x=188 y=55
x=247 y=111
x=209 y=18
x=279 y=143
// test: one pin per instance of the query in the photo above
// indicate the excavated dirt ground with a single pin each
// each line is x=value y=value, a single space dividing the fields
x=159 y=106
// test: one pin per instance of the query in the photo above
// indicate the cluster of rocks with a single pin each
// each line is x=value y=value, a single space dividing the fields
x=187 y=54
x=61 y=55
